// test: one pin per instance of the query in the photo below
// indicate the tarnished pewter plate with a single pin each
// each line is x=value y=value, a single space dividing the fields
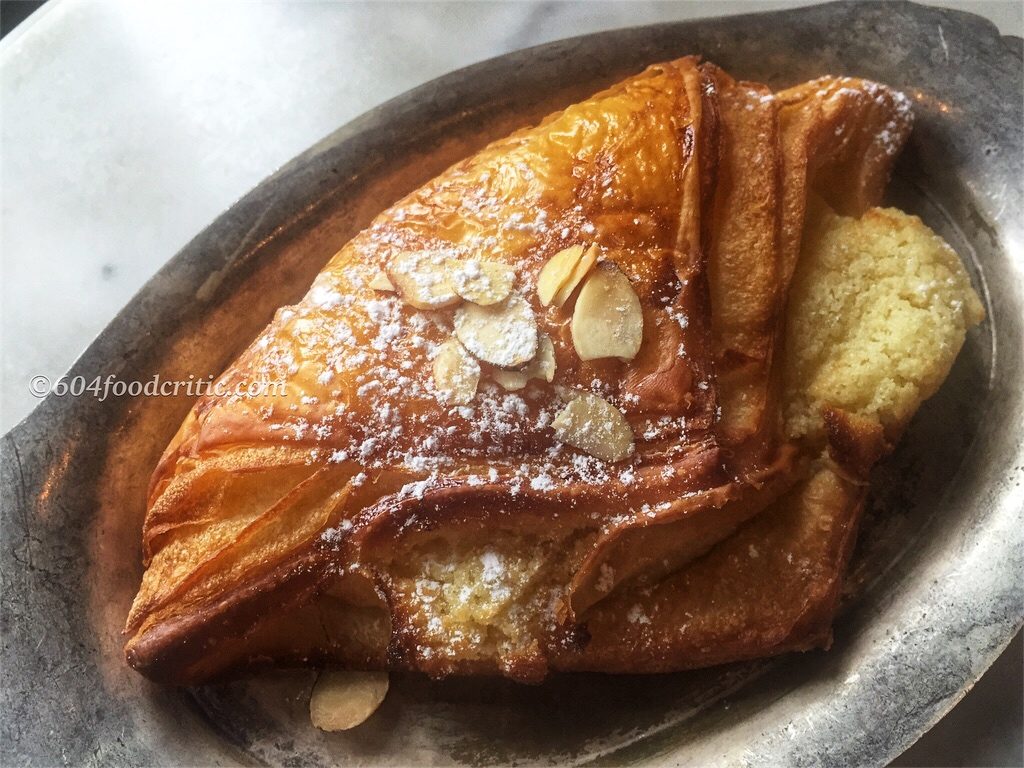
x=936 y=591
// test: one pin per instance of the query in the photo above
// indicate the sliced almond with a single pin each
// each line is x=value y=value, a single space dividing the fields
x=580 y=271
x=456 y=373
x=541 y=367
x=380 y=282
x=422 y=279
x=563 y=272
x=595 y=426
x=510 y=380
x=481 y=282
x=342 y=699
x=556 y=271
x=502 y=334
x=608 y=320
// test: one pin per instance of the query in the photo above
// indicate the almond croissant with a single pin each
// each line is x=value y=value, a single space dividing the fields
x=571 y=405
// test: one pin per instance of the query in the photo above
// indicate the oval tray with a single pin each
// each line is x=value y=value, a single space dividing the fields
x=936 y=588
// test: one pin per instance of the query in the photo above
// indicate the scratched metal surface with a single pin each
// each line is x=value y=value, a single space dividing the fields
x=936 y=589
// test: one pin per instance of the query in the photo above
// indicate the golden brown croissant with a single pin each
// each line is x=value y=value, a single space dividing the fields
x=529 y=407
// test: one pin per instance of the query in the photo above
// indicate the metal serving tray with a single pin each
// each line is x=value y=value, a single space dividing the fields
x=936 y=590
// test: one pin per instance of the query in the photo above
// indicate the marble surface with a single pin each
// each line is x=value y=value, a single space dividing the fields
x=127 y=127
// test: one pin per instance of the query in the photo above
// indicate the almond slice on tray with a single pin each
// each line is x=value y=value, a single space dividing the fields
x=342 y=700
x=456 y=373
x=541 y=367
x=563 y=272
x=502 y=334
x=422 y=280
x=380 y=282
x=481 y=282
x=595 y=426
x=608 y=320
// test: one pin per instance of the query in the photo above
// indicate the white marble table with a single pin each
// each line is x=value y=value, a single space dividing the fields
x=126 y=127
